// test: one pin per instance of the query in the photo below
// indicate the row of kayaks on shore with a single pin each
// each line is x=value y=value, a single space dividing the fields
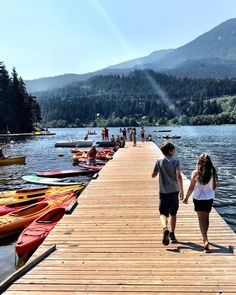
x=35 y=211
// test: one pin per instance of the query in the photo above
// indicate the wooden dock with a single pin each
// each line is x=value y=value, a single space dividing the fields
x=112 y=241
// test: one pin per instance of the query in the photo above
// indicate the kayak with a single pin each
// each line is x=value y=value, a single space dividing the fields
x=12 y=161
x=94 y=168
x=101 y=159
x=79 y=143
x=5 y=209
x=65 y=173
x=49 y=181
x=20 y=219
x=36 y=232
x=11 y=197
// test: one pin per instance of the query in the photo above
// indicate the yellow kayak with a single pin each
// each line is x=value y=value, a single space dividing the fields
x=12 y=161
x=9 y=197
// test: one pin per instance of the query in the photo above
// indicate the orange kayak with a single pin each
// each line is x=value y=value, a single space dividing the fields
x=20 y=219
x=22 y=195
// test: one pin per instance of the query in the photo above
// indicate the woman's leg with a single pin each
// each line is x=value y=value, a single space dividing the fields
x=203 y=218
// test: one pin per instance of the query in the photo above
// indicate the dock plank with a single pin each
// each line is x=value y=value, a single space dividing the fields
x=112 y=242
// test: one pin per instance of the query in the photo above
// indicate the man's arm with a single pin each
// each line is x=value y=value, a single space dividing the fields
x=180 y=183
x=154 y=173
x=155 y=170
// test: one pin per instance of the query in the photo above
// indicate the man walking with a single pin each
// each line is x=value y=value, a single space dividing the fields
x=171 y=188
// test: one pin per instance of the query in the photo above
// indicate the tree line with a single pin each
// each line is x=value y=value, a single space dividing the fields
x=140 y=97
x=19 y=111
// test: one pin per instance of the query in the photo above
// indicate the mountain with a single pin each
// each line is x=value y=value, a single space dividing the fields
x=211 y=55
x=154 y=57
x=48 y=83
x=220 y=42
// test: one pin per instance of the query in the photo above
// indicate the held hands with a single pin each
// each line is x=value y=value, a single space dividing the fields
x=185 y=200
x=181 y=195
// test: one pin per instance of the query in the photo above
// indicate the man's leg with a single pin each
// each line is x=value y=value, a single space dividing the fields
x=164 y=213
x=173 y=223
x=164 y=220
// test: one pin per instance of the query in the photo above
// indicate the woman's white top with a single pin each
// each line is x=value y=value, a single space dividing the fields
x=203 y=192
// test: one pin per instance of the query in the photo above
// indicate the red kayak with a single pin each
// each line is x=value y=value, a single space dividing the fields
x=94 y=168
x=65 y=173
x=5 y=209
x=35 y=233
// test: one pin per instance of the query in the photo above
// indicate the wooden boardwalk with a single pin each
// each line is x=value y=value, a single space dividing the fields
x=112 y=241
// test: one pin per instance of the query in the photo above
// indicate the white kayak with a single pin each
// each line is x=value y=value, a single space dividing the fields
x=49 y=181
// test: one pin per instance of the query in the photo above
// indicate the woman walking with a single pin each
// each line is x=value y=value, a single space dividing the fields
x=202 y=188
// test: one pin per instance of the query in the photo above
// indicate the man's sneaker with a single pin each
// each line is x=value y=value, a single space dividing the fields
x=166 y=237
x=173 y=239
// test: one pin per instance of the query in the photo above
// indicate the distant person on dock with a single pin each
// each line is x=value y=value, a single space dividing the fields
x=103 y=134
x=112 y=139
x=91 y=156
x=106 y=134
x=134 y=135
x=149 y=138
x=124 y=133
x=202 y=188
x=130 y=134
x=171 y=189
x=2 y=154
x=142 y=134
x=122 y=142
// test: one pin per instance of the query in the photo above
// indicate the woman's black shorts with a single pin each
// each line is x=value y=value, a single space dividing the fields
x=169 y=204
x=203 y=205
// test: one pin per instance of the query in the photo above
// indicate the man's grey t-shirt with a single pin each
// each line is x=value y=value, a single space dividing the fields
x=167 y=167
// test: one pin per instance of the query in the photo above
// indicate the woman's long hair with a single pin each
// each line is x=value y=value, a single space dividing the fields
x=205 y=169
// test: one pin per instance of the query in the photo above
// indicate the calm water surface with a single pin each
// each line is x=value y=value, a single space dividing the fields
x=218 y=141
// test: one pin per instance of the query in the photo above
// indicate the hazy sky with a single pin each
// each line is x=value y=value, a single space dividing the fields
x=51 y=37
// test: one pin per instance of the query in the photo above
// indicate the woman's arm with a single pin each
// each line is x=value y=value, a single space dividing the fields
x=214 y=184
x=191 y=187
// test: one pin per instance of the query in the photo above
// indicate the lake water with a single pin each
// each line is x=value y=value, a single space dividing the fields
x=218 y=141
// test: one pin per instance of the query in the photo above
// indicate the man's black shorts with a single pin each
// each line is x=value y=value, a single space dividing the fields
x=169 y=204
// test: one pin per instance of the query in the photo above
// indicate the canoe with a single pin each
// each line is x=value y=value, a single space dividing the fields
x=70 y=144
x=5 y=209
x=94 y=168
x=171 y=136
x=36 y=232
x=10 y=197
x=16 y=221
x=13 y=161
x=49 y=181
x=65 y=173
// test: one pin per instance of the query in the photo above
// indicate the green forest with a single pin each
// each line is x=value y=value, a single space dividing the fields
x=19 y=111
x=141 y=97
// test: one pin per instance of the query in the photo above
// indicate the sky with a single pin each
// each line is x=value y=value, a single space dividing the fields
x=51 y=37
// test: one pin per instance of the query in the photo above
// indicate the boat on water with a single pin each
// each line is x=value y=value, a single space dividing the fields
x=12 y=161
x=171 y=136
x=36 y=232
x=36 y=133
x=77 y=143
x=90 y=132
x=96 y=168
x=50 y=181
x=65 y=173
x=22 y=195
x=16 y=221
x=162 y=130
